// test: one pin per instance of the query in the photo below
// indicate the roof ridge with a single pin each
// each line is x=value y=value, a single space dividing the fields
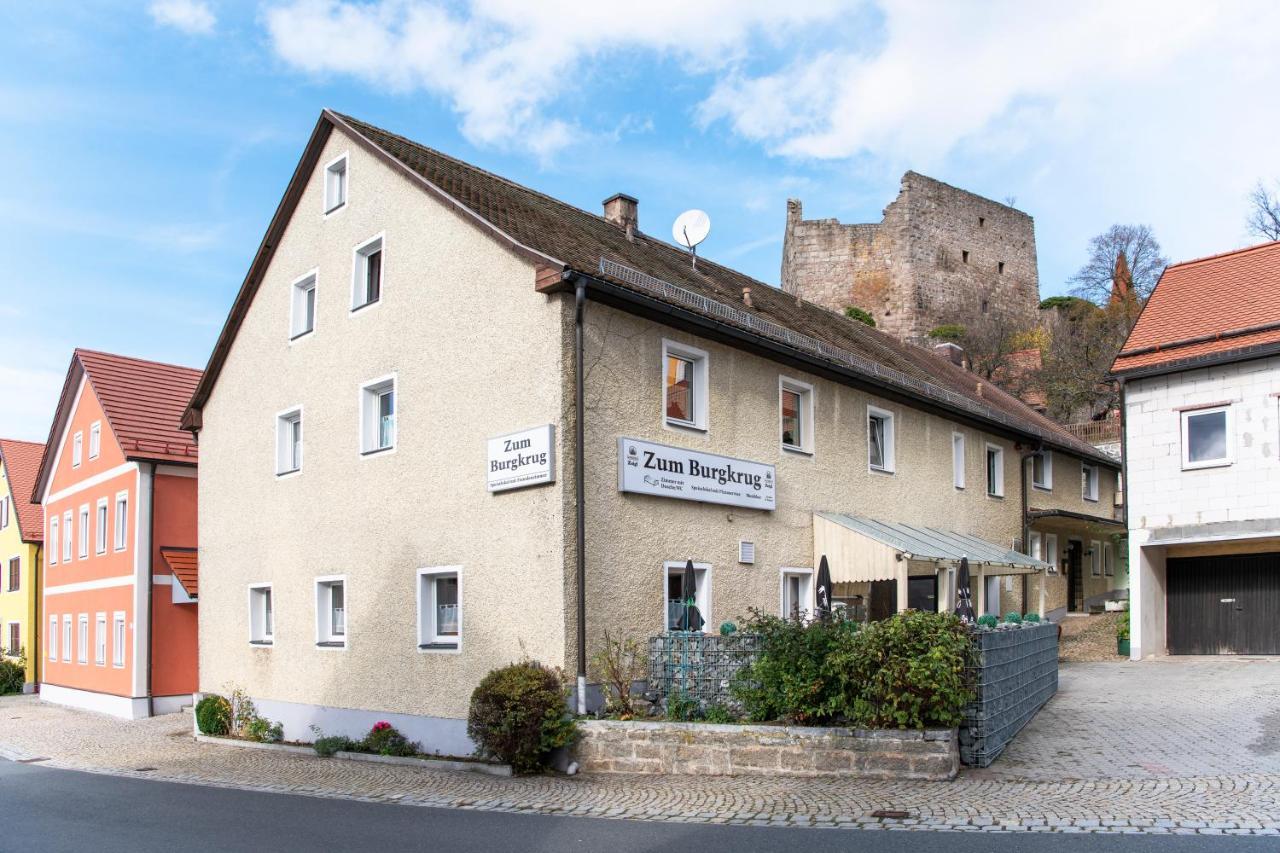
x=135 y=359
x=1270 y=244
x=21 y=441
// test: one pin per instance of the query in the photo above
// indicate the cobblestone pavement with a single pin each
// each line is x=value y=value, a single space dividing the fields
x=1190 y=747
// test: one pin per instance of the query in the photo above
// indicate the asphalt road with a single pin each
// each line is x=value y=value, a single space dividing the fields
x=43 y=809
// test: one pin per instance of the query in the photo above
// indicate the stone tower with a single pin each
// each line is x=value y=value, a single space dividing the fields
x=940 y=255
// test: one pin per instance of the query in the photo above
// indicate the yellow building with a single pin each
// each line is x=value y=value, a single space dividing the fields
x=21 y=538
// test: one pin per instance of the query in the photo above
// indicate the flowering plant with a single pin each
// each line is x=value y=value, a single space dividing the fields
x=384 y=739
x=381 y=726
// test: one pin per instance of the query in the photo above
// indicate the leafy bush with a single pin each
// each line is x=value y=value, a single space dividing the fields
x=385 y=739
x=719 y=714
x=953 y=332
x=1013 y=618
x=1031 y=617
x=13 y=674
x=1122 y=626
x=790 y=678
x=518 y=716
x=328 y=745
x=682 y=708
x=908 y=671
x=620 y=664
x=263 y=730
x=855 y=313
x=987 y=621
x=213 y=715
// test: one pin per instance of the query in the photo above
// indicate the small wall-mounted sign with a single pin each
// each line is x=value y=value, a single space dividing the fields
x=525 y=458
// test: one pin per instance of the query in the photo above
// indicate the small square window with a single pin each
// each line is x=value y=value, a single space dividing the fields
x=1089 y=482
x=77 y=449
x=366 y=284
x=378 y=416
x=1206 y=437
x=261 y=615
x=95 y=439
x=995 y=471
x=1042 y=470
x=331 y=612
x=335 y=184
x=289 y=442
x=302 y=314
x=795 y=400
x=440 y=608
x=684 y=385
x=684 y=612
x=957 y=459
x=880 y=440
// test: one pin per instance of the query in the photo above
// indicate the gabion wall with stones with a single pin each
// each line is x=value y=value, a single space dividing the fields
x=698 y=667
x=701 y=749
x=1017 y=673
x=941 y=255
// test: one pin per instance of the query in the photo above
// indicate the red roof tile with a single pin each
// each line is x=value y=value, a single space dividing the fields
x=21 y=465
x=144 y=402
x=1208 y=306
x=185 y=564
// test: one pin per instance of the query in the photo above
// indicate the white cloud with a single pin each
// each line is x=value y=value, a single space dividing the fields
x=193 y=17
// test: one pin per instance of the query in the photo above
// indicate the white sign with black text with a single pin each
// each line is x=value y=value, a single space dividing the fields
x=525 y=458
x=674 y=472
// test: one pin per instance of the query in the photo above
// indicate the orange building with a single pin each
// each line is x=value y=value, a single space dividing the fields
x=118 y=487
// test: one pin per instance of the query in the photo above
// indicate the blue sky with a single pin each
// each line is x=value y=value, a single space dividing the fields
x=147 y=144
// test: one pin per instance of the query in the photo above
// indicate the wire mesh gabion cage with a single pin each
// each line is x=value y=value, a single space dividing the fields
x=698 y=667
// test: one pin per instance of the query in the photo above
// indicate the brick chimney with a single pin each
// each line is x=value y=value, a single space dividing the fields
x=953 y=353
x=624 y=211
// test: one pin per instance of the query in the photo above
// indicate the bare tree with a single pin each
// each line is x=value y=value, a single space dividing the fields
x=1141 y=253
x=1264 y=213
x=1083 y=345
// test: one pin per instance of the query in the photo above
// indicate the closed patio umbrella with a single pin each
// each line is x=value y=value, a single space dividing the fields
x=964 y=595
x=690 y=619
x=824 y=589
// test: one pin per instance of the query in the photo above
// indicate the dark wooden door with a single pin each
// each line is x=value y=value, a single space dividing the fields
x=1223 y=605
x=922 y=593
x=1075 y=575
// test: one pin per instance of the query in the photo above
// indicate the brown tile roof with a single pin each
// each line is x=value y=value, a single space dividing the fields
x=185 y=564
x=1207 y=307
x=21 y=465
x=573 y=239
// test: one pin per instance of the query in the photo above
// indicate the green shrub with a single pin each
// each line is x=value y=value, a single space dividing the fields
x=908 y=671
x=263 y=730
x=719 y=714
x=518 y=716
x=855 y=313
x=953 y=332
x=1122 y=626
x=1031 y=617
x=385 y=739
x=790 y=678
x=13 y=674
x=1013 y=618
x=328 y=745
x=213 y=715
x=682 y=708
x=988 y=621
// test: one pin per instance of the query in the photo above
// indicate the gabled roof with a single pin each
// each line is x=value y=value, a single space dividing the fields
x=21 y=465
x=143 y=402
x=1213 y=308
x=185 y=565
x=565 y=239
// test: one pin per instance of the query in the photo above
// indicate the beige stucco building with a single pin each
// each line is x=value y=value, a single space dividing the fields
x=388 y=445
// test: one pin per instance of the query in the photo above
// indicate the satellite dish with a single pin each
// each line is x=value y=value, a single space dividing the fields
x=690 y=229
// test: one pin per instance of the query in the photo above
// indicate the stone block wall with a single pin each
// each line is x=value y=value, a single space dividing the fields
x=704 y=749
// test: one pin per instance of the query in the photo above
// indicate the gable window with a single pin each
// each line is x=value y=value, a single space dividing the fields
x=684 y=385
x=797 y=593
x=1042 y=470
x=366 y=285
x=82 y=532
x=335 y=184
x=52 y=544
x=15 y=574
x=331 y=612
x=117 y=638
x=261 y=615
x=957 y=459
x=1089 y=482
x=95 y=439
x=995 y=471
x=82 y=639
x=122 y=521
x=66 y=638
x=1206 y=437
x=77 y=449
x=795 y=400
x=100 y=640
x=53 y=638
x=679 y=617
x=100 y=533
x=378 y=415
x=440 y=608
x=302 y=313
x=1095 y=558
x=67 y=537
x=289 y=442
x=880 y=439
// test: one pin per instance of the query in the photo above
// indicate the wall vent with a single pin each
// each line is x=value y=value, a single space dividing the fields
x=746 y=552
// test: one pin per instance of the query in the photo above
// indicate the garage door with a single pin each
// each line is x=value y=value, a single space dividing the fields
x=1228 y=605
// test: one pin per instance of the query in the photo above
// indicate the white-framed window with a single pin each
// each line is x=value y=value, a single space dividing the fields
x=797 y=600
x=1089 y=482
x=15 y=574
x=1095 y=558
x=995 y=471
x=881 y=441
x=795 y=404
x=1207 y=437
x=82 y=639
x=1051 y=550
x=378 y=415
x=66 y=638
x=117 y=638
x=302 y=305
x=1042 y=470
x=15 y=639
x=53 y=639
x=366 y=273
x=82 y=532
x=262 y=617
x=100 y=531
x=289 y=442
x=675 y=612
x=122 y=521
x=440 y=608
x=95 y=439
x=1037 y=546
x=100 y=640
x=957 y=459
x=52 y=544
x=684 y=385
x=68 y=539
x=77 y=449
x=331 y=612
x=335 y=184
x=4 y=512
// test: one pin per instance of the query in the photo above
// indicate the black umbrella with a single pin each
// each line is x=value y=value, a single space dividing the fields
x=691 y=620
x=964 y=596
x=824 y=589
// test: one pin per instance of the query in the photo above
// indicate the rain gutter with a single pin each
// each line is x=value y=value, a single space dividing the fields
x=580 y=505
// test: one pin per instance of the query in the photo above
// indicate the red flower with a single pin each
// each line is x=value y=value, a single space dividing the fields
x=381 y=726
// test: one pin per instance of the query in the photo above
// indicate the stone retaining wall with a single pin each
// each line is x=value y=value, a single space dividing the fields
x=703 y=749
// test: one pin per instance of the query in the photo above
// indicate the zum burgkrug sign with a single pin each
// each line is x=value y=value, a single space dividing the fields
x=674 y=472
x=525 y=458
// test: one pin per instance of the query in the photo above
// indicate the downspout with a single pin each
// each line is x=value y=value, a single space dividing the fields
x=579 y=478
x=37 y=584
x=1026 y=520
x=151 y=585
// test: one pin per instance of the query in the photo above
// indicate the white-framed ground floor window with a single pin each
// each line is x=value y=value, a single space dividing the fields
x=331 y=612
x=678 y=616
x=117 y=638
x=440 y=608
x=796 y=600
x=262 y=629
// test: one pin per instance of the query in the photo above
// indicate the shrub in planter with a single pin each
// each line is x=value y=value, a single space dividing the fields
x=1122 y=626
x=908 y=671
x=263 y=730
x=790 y=678
x=385 y=739
x=327 y=745
x=987 y=621
x=1012 y=618
x=1033 y=618
x=518 y=716
x=213 y=715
